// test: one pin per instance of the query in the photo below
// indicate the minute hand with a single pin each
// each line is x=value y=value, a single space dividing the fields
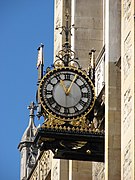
x=68 y=90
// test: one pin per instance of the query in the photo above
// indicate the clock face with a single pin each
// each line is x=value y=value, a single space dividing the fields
x=67 y=93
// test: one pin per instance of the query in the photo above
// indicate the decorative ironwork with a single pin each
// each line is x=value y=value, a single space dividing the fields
x=32 y=107
x=47 y=97
x=91 y=68
x=66 y=57
x=70 y=135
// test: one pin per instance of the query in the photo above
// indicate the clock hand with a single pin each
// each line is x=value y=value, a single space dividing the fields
x=62 y=84
x=68 y=90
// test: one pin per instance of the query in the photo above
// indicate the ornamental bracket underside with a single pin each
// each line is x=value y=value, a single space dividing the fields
x=76 y=140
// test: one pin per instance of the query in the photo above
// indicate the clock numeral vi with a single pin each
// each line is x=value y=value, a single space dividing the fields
x=66 y=110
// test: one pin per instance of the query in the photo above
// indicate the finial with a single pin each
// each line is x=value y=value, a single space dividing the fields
x=40 y=62
x=40 y=59
x=65 y=55
x=32 y=107
x=66 y=28
x=67 y=14
x=92 y=57
x=91 y=68
x=41 y=45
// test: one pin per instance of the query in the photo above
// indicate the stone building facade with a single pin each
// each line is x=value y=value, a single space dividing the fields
x=108 y=27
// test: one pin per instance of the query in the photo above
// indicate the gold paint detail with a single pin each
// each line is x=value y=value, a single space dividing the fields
x=73 y=145
x=78 y=126
x=88 y=151
x=72 y=69
x=52 y=122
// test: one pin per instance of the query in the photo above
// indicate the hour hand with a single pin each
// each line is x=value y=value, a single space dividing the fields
x=62 y=84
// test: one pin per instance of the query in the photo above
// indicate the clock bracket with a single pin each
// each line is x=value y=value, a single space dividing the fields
x=79 y=138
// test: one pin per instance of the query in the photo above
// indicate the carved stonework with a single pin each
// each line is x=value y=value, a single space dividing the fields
x=43 y=166
x=128 y=162
x=57 y=4
x=55 y=174
x=58 y=23
x=98 y=171
x=58 y=17
x=34 y=174
x=127 y=110
x=100 y=74
x=127 y=55
x=31 y=161
x=127 y=4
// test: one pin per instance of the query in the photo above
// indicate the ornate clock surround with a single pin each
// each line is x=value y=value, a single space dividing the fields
x=71 y=137
x=86 y=92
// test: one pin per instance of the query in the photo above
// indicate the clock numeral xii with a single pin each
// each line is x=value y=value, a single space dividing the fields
x=67 y=76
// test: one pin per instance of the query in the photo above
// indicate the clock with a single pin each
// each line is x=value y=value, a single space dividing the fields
x=66 y=93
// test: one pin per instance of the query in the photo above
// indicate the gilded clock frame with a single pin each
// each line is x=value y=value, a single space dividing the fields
x=47 y=110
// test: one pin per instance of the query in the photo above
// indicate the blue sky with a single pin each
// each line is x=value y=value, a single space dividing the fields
x=24 y=24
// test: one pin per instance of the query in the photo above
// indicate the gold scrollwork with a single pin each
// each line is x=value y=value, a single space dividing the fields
x=59 y=118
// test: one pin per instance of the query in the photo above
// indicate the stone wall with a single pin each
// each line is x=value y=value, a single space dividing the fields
x=88 y=19
x=98 y=171
x=127 y=90
x=42 y=167
x=112 y=90
x=58 y=21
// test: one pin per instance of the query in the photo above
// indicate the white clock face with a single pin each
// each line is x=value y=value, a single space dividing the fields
x=67 y=100
x=67 y=93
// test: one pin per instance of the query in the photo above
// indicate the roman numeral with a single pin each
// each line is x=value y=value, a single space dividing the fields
x=75 y=109
x=57 y=107
x=82 y=103
x=66 y=111
x=85 y=95
x=51 y=100
x=67 y=76
x=49 y=92
x=82 y=86
x=58 y=77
